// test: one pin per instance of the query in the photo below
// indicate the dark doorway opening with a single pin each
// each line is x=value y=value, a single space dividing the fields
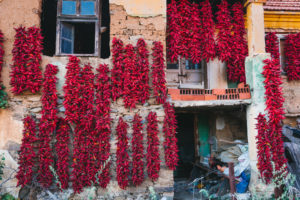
x=186 y=146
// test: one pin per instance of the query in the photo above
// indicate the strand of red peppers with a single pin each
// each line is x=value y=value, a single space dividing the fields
x=158 y=73
x=27 y=154
x=63 y=152
x=117 y=79
x=274 y=106
x=292 y=53
x=239 y=51
x=143 y=68
x=196 y=38
x=19 y=72
x=72 y=103
x=103 y=94
x=35 y=77
x=185 y=39
x=84 y=160
x=153 y=160
x=224 y=39
x=131 y=78
x=207 y=32
x=263 y=142
x=173 y=29
x=123 y=170
x=170 y=142
x=88 y=111
x=26 y=71
x=71 y=90
x=47 y=125
x=272 y=45
x=137 y=151
x=3 y=94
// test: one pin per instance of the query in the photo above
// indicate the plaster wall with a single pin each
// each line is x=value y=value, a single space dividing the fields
x=216 y=71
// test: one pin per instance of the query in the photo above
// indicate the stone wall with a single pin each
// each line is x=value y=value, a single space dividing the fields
x=127 y=26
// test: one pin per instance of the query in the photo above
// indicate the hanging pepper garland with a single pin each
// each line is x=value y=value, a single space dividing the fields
x=26 y=72
x=196 y=38
x=117 y=78
x=27 y=154
x=63 y=153
x=185 y=39
x=122 y=154
x=264 y=152
x=158 y=73
x=143 y=68
x=3 y=94
x=131 y=78
x=47 y=125
x=34 y=72
x=272 y=45
x=292 y=54
x=153 y=160
x=103 y=94
x=173 y=34
x=137 y=151
x=18 y=74
x=274 y=106
x=170 y=142
x=71 y=90
x=84 y=168
x=207 y=32
x=239 y=52
x=88 y=113
x=224 y=39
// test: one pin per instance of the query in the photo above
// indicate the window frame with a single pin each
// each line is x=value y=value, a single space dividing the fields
x=78 y=18
x=182 y=72
x=282 y=67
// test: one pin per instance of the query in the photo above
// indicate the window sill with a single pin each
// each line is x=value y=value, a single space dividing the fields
x=78 y=55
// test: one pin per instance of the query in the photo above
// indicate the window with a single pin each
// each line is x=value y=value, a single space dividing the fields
x=282 y=52
x=78 y=27
x=185 y=74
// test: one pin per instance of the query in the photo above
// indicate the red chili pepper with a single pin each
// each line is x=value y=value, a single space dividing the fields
x=27 y=154
x=158 y=73
x=170 y=143
x=153 y=160
x=137 y=151
x=26 y=71
x=47 y=125
x=122 y=154
x=103 y=120
x=63 y=152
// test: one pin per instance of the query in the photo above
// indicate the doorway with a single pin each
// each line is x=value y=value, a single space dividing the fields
x=186 y=146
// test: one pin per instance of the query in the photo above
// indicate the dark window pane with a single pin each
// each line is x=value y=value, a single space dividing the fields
x=66 y=46
x=172 y=66
x=69 y=7
x=87 y=8
x=190 y=65
x=66 y=31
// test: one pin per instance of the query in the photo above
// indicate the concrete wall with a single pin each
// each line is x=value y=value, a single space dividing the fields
x=130 y=20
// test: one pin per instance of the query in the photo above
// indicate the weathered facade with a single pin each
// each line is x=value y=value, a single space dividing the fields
x=222 y=112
